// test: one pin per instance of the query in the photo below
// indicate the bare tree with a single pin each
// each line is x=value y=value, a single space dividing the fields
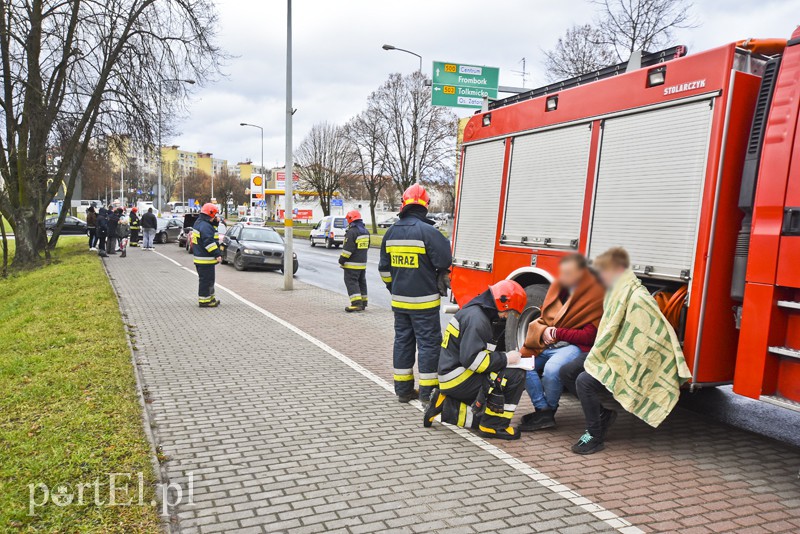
x=324 y=157
x=366 y=133
x=581 y=50
x=629 y=25
x=420 y=138
x=230 y=187
x=72 y=70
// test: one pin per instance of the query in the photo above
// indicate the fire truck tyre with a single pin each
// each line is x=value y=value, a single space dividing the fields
x=517 y=325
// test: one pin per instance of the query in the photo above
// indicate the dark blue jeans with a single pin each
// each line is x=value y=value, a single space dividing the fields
x=416 y=333
x=545 y=392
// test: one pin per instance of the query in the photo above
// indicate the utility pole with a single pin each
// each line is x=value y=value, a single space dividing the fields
x=288 y=216
x=416 y=134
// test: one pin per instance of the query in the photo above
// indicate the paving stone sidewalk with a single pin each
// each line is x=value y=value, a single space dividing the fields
x=691 y=475
x=273 y=434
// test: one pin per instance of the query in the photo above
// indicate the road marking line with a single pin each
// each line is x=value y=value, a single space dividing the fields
x=610 y=518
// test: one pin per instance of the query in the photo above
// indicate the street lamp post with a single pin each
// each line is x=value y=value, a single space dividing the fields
x=288 y=216
x=263 y=178
x=158 y=150
x=417 y=159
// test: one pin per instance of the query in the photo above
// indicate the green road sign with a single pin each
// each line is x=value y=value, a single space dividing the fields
x=463 y=86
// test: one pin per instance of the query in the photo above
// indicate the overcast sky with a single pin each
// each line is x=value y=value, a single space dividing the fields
x=338 y=60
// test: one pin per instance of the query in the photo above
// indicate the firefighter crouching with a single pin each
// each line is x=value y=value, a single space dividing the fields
x=476 y=390
x=415 y=265
x=206 y=254
x=354 y=261
x=134 y=240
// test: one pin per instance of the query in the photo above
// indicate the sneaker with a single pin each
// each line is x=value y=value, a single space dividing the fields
x=434 y=408
x=509 y=433
x=607 y=419
x=408 y=397
x=538 y=420
x=588 y=444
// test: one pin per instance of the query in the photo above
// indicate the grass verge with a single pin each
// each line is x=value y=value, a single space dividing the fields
x=69 y=414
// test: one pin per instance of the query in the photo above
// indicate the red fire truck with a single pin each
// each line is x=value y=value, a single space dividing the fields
x=691 y=163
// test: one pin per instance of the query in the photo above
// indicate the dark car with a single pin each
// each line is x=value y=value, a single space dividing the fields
x=72 y=226
x=185 y=237
x=168 y=230
x=256 y=247
x=388 y=222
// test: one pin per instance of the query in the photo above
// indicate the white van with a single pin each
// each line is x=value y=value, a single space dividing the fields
x=329 y=231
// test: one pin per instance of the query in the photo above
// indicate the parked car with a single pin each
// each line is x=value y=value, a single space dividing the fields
x=72 y=226
x=168 y=230
x=388 y=222
x=249 y=220
x=329 y=231
x=184 y=238
x=255 y=247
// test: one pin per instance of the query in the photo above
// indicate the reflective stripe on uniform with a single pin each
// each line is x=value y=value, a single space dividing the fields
x=416 y=303
x=510 y=407
x=454 y=378
x=464 y=416
x=409 y=246
x=354 y=265
x=403 y=375
x=204 y=300
x=479 y=364
x=203 y=260
x=386 y=276
x=355 y=297
x=211 y=247
x=452 y=330
x=504 y=414
x=428 y=379
x=346 y=253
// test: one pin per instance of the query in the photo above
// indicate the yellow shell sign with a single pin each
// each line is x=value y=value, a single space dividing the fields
x=257 y=181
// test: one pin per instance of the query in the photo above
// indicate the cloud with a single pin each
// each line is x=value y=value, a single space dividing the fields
x=338 y=60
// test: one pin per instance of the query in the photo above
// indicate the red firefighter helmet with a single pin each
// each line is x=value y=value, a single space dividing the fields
x=352 y=215
x=209 y=209
x=416 y=194
x=509 y=295
x=134 y=209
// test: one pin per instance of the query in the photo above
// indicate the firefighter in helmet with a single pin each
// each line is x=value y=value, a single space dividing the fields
x=415 y=266
x=206 y=253
x=476 y=390
x=354 y=261
x=134 y=240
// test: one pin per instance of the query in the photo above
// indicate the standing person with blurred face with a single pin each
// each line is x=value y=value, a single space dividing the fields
x=91 y=224
x=111 y=238
x=148 y=223
x=134 y=223
x=354 y=261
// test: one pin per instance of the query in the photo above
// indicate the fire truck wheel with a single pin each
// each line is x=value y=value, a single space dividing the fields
x=517 y=325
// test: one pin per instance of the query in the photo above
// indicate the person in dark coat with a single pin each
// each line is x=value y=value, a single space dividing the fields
x=102 y=230
x=91 y=224
x=111 y=238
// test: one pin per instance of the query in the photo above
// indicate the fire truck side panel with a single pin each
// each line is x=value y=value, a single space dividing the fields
x=717 y=237
x=769 y=356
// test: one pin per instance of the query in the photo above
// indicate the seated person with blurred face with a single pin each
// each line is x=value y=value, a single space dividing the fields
x=563 y=333
x=636 y=361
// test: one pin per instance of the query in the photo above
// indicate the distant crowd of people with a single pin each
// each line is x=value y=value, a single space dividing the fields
x=111 y=231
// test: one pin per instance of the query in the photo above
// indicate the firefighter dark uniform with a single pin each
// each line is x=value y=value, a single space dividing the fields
x=471 y=370
x=134 y=240
x=206 y=251
x=414 y=255
x=354 y=262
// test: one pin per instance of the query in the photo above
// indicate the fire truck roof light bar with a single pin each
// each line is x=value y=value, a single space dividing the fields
x=648 y=60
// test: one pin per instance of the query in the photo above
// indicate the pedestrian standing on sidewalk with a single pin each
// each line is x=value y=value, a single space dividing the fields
x=102 y=231
x=354 y=261
x=123 y=234
x=206 y=254
x=91 y=224
x=415 y=265
x=134 y=221
x=148 y=223
x=112 y=239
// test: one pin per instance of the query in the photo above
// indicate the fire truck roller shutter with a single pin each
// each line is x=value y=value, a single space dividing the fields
x=478 y=204
x=546 y=186
x=649 y=187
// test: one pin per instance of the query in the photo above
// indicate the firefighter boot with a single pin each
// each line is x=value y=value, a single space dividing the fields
x=355 y=306
x=210 y=304
x=434 y=407
x=509 y=433
x=408 y=397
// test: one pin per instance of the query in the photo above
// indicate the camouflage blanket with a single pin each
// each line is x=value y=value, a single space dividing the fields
x=637 y=355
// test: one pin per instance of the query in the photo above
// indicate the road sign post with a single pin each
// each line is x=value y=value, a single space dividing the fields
x=459 y=85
